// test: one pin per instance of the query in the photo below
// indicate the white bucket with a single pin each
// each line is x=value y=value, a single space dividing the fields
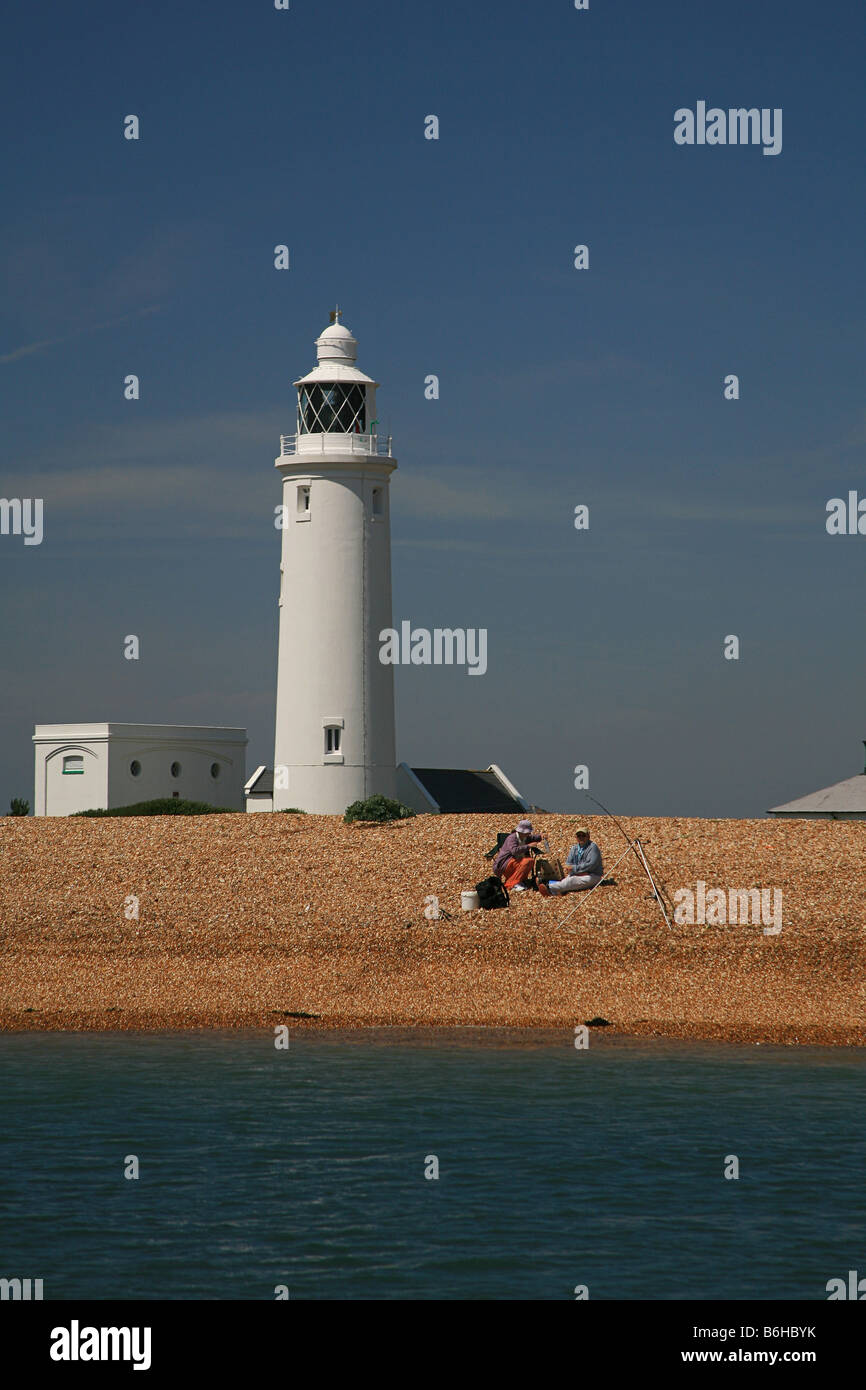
x=469 y=900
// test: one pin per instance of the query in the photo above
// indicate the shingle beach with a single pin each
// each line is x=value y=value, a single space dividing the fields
x=252 y=920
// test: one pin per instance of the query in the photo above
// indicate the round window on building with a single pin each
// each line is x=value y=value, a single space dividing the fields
x=175 y=769
x=135 y=767
x=214 y=770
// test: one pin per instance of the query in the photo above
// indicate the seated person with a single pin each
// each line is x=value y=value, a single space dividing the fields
x=513 y=863
x=586 y=869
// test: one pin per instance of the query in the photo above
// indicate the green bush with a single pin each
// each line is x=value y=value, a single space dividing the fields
x=19 y=807
x=377 y=807
x=291 y=811
x=165 y=806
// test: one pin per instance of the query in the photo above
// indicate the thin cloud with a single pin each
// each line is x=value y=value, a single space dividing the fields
x=768 y=514
x=145 y=477
x=29 y=349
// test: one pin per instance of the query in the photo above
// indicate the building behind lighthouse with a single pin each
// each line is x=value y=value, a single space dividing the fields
x=334 y=740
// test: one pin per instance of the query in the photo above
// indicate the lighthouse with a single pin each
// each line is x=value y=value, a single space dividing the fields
x=334 y=739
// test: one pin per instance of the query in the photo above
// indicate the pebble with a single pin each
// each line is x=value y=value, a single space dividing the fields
x=246 y=917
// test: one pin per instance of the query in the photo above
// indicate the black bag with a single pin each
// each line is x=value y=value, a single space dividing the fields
x=491 y=893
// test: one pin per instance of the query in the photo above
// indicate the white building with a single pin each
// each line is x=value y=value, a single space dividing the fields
x=334 y=740
x=843 y=801
x=83 y=767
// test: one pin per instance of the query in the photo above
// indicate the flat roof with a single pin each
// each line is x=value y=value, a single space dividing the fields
x=50 y=732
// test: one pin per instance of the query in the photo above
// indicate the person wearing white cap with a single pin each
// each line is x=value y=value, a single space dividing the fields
x=513 y=863
x=584 y=865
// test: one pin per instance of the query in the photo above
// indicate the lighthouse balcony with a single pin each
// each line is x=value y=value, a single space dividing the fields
x=375 y=445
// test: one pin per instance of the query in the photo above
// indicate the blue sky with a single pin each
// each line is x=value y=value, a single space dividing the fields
x=558 y=387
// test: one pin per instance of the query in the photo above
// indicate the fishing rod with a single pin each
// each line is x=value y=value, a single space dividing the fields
x=640 y=854
x=612 y=817
x=581 y=904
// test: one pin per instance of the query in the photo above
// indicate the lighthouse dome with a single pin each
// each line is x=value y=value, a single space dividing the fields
x=337 y=351
x=336 y=344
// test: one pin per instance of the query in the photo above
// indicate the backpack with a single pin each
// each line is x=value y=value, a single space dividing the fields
x=491 y=893
x=547 y=869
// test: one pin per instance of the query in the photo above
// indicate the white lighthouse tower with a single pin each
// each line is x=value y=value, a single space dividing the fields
x=335 y=700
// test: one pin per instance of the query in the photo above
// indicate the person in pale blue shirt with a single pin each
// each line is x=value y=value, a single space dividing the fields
x=584 y=865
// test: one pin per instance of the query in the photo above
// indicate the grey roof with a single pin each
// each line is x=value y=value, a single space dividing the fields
x=261 y=783
x=845 y=799
x=453 y=789
x=458 y=790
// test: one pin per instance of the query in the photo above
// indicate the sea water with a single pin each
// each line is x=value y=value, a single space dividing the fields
x=310 y=1171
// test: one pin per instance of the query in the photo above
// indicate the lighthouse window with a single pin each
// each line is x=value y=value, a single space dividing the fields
x=378 y=503
x=333 y=734
x=332 y=409
x=73 y=762
x=304 y=503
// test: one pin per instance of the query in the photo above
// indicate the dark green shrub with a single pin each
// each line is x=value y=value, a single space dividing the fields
x=377 y=807
x=19 y=807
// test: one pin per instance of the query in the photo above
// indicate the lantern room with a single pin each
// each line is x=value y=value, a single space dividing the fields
x=335 y=397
